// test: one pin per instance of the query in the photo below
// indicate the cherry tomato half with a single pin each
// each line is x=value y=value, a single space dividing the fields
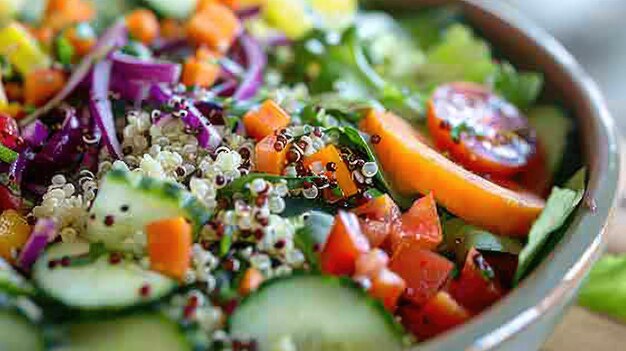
x=480 y=130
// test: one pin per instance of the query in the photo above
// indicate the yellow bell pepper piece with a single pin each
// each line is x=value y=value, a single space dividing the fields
x=335 y=14
x=289 y=16
x=22 y=49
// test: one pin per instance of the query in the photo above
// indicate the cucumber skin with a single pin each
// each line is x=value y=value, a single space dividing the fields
x=344 y=282
x=9 y=307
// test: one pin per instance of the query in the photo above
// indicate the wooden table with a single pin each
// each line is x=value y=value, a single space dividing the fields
x=585 y=330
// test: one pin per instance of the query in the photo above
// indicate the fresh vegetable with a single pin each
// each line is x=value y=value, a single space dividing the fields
x=82 y=38
x=419 y=225
x=267 y=119
x=142 y=331
x=328 y=159
x=17 y=332
x=41 y=85
x=201 y=70
x=62 y=13
x=312 y=237
x=21 y=49
x=250 y=281
x=100 y=106
x=178 y=9
x=169 y=246
x=604 y=290
x=11 y=282
x=552 y=127
x=490 y=137
x=379 y=218
x=270 y=155
x=216 y=26
x=476 y=287
x=424 y=272
x=7 y=155
x=387 y=287
x=343 y=246
x=143 y=25
x=306 y=310
x=125 y=205
x=519 y=88
x=465 y=194
x=44 y=232
x=100 y=283
x=14 y=233
x=440 y=314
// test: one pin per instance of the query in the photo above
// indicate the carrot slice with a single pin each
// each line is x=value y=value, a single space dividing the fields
x=172 y=29
x=169 y=246
x=201 y=70
x=216 y=26
x=416 y=168
x=268 y=158
x=330 y=154
x=82 y=43
x=62 y=13
x=42 y=84
x=250 y=281
x=269 y=118
x=233 y=4
x=143 y=25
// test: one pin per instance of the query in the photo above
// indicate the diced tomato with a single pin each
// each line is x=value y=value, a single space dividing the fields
x=441 y=313
x=8 y=200
x=371 y=263
x=378 y=217
x=476 y=288
x=424 y=272
x=344 y=245
x=341 y=174
x=9 y=131
x=420 y=225
x=387 y=287
x=504 y=265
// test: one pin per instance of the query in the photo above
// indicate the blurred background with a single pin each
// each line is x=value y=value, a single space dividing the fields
x=594 y=32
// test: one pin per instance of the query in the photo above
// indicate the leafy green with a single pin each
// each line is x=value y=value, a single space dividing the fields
x=240 y=185
x=7 y=155
x=459 y=56
x=352 y=138
x=550 y=224
x=605 y=289
x=312 y=235
x=460 y=237
x=11 y=282
x=428 y=26
x=552 y=127
x=64 y=50
x=519 y=88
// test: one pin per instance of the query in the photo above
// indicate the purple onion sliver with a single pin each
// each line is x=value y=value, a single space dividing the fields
x=100 y=107
x=249 y=12
x=62 y=147
x=115 y=36
x=44 y=232
x=279 y=40
x=132 y=68
x=256 y=61
x=208 y=137
x=36 y=133
x=160 y=94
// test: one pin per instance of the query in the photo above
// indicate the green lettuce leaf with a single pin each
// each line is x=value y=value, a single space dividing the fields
x=605 y=289
x=551 y=224
x=519 y=88
x=552 y=127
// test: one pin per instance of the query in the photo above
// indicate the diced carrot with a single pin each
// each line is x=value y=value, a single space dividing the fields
x=344 y=245
x=467 y=195
x=143 y=25
x=441 y=313
x=267 y=158
x=419 y=224
x=202 y=4
x=342 y=173
x=216 y=26
x=82 y=43
x=44 y=35
x=200 y=73
x=42 y=84
x=387 y=287
x=270 y=117
x=172 y=29
x=371 y=263
x=62 y=13
x=250 y=281
x=424 y=272
x=169 y=246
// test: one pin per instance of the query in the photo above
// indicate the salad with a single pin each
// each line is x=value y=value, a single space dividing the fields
x=265 y=175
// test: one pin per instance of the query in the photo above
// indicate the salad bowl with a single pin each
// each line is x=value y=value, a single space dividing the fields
x=525 y=318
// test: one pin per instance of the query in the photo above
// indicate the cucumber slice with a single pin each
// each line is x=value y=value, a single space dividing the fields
x=17 y=333
x=138 y=332
x=552 y=128
x=179 y=9
x=127 y=202
x=12 y=282
x=97 y=285
x=313 y=312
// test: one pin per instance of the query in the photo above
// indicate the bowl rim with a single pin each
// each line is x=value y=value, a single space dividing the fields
x=557 y=279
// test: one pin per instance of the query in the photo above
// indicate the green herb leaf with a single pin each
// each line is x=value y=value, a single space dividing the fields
x=7 y=155
x=460 y=237
x=519 y=88
x=240 y=185
x=552 y=127
x=605 y=289
x=64 y=50
x=550 y=225
x=312 y=235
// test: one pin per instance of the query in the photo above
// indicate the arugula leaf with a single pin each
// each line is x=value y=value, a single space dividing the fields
x=519 y=88
x=352 y=138
x=605 y=289
x=550 y=226
x=312 y=235
x=460 y=237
